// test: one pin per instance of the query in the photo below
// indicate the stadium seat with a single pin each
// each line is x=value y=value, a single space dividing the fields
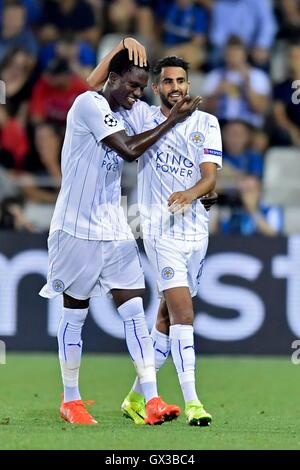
x=291 y=220
x=281 y=176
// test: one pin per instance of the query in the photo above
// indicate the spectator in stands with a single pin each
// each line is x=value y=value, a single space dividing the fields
x=253 y=21
x=52 y=97
x=33 y=10
x=289 y=16
x=14 y=144
x=150 y=16
x=18 y=73
x=11 y=204
x=74 y=16
x=237 y=150
x=14 y=32
x=237 y=90
x=80 y=55
x=286 y=107
x=184 y=32
x=120 y=16
x=15 y=190
x=252 y=216
x=54 y=93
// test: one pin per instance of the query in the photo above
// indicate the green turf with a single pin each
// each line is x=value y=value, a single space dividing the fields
x=255 y=404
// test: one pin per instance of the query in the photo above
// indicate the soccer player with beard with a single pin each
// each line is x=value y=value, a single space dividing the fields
x=173 y=175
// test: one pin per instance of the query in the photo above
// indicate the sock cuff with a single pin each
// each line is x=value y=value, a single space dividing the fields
x=181 y=331
x=74 y=315
x=131 y=308
x=157 y=335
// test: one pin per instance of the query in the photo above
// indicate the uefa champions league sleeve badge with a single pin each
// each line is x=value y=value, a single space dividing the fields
x=110 y=121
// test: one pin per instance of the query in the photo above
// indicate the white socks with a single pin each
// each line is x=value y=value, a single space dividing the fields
x=162 y=348
x=70 y=349
x=183 y=353
x=139 y=344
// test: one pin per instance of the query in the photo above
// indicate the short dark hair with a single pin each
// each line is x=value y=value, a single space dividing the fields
x=170 y=61
x=58 y=66
x=120 y=63
x=14 y=3
x=235 y=41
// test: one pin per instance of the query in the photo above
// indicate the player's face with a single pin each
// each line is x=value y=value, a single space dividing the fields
x=131 y=87
x=173 y=85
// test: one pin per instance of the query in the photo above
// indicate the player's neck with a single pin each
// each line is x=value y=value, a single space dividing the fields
x=165 y=110
x=114 y=105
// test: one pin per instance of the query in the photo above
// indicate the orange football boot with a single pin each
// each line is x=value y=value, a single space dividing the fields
x=75 y=412
x=157 y=411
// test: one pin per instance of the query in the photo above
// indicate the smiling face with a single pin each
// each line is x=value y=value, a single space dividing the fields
x=129 y=87
x=172 y=86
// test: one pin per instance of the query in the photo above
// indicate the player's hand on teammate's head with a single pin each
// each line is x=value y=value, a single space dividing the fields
x=209 y=200
x=185 y=107
x=136 y=51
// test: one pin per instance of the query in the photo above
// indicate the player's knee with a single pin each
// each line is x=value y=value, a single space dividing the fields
x=182 y=316
x=131 y=309
x=72 y=303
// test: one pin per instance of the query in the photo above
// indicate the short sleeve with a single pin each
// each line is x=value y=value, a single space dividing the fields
x=212 y=148
x=95 y=116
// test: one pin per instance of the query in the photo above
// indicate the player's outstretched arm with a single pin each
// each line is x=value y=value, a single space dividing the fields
x=132 y=147
x=136 y=52
x=179 y=199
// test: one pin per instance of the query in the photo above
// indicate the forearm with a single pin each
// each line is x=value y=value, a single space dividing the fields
x=98 y=76
x=139 y=143
x=203 y=187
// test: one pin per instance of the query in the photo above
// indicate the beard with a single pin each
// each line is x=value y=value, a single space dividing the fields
x=166 y=102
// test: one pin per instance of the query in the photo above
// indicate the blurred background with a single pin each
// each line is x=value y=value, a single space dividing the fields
x=245 y=62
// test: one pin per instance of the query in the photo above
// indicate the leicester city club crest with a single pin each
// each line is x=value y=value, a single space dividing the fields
x=197 y=138
x=167 y=273
x=58 y=285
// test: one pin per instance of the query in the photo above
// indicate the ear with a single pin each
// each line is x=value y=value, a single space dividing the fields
x=113 y=78
x=154 y=87
x=188 y=89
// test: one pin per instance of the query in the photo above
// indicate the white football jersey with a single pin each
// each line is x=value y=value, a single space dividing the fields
x=88 y=205
x=172 y=164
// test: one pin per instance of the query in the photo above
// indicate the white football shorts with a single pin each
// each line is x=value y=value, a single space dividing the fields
x=177 y=263
x=91 y=268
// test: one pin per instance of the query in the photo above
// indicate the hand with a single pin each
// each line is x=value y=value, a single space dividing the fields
x=136 y=51
x=209 y=200
x=184 y=108
x=180 y=201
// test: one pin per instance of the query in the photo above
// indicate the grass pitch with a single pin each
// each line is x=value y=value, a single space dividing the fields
x=254 y=402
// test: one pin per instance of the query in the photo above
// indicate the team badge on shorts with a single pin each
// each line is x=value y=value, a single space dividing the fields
x=167 y=273
x=110 y=120
x=197 y=138
x=58 y=285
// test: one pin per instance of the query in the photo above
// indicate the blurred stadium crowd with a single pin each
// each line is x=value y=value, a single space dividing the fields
x=245 y=62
